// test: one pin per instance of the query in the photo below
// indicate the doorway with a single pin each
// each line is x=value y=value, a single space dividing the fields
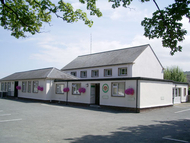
x=15 y=89
x=95 y=94
x=176 y=95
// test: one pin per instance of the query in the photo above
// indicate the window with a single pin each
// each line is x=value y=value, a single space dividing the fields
x=9 y=86
x=29 y=86
x=35 y=86
x=74 y=73
x=184 y=92
x=95 y=73
x=83 y=74
x=176 y=92
x=118 y=89
x=5 y=89
x=2 y=86
x=122 y=71
x=59 y=88
x=75 y=88
x=107 y=72
x=24 y=86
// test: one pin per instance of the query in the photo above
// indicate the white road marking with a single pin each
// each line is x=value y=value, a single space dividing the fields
x=1 y=121
x=5 y=115
x=166 y=138
x=182 y=111
x=52 y=106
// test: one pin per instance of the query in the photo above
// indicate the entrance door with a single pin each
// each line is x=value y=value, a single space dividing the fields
x=176 y=95
x=97 y=94
x=15 y=90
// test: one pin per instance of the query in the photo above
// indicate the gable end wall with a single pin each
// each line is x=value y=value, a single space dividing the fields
x=147 y=65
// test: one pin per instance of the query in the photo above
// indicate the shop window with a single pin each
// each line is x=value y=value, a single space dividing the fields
x=24 y=86
x=29 y=86
x=9 y=86
x=35 y=86
x=75 y=88
x=2 y=86
x=59 y=88
x=118 y=89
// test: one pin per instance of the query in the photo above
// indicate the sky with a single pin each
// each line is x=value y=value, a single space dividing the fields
x=62 y=42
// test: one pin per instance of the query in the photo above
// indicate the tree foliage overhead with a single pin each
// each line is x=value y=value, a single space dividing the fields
x=175 y=73
x=22 y=16
x=165 y=24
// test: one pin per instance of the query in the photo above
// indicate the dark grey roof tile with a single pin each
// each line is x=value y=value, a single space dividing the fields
x=46 y=73
x=115 y=57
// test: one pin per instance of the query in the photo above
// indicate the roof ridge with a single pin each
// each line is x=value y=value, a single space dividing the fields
x=50 y=72
x=114 y=50
x=35 y=70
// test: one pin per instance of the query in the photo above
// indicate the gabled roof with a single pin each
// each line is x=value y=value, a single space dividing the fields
x=46 y=73
x=115 y=57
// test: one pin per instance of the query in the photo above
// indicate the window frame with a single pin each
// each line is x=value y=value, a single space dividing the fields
x=83 y=72
x=120 y=74
x=5 y=88
x=33 y=89
x=107 y=72
x=60 y=89
x=24 y=86
x=29 y=87
x=117 y=95
x=2 y=86
x=77 y=89
x=74 y=73
x=93 y=71
x=185 y=91
x=8 y=86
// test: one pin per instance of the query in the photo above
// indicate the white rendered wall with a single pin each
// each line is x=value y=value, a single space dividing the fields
x=56 y=96
x=83 y=97
x=126 y=101
x=147 y=65
x=105 y=98
x=41 y=95
x=155 y=93
x=101 y=71
x=184 y=96
x=12 y=87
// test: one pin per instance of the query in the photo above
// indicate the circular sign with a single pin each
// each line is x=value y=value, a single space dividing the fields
x=105 y=88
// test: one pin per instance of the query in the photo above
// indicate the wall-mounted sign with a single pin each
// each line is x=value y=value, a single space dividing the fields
x=105 y=88
x=105 y=96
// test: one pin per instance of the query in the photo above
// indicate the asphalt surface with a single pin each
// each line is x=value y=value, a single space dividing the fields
x=34 y=122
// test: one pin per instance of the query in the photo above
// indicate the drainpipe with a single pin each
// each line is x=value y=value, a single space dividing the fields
x=67 y=96
x=137 y=92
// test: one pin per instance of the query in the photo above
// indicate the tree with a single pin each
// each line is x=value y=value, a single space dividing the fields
x=21 y=16
x=164 y=23
x=175 y=73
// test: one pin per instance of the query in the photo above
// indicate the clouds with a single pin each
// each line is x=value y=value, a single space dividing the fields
x=58 y=52
x=61 y=53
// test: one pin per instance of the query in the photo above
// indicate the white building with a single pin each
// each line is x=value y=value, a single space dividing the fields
x=130 y=78
x=140 y=61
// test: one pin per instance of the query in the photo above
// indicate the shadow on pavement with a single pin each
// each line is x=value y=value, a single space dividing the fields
x=165 y=131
